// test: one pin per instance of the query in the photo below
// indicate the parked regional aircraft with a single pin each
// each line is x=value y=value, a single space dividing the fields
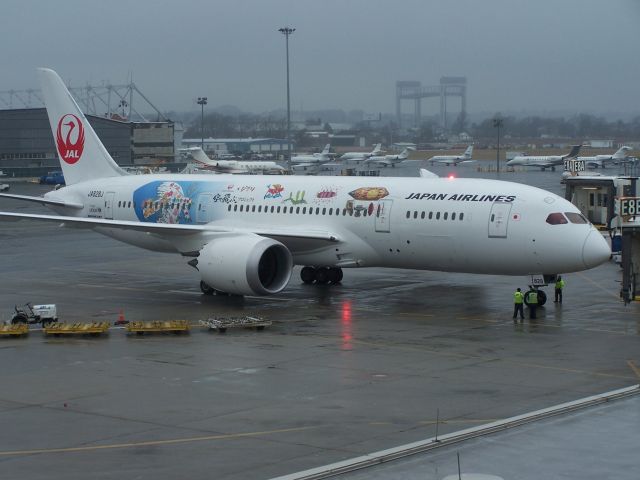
x=245 y=233
x=600 y=160
x=389 y=160
x=232 y=166
x=544 y=162
x=454 y=159
x=314 y=158
x=360 y=156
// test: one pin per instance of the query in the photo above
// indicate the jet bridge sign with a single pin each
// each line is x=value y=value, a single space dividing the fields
x=574 y=165
x=628 y=206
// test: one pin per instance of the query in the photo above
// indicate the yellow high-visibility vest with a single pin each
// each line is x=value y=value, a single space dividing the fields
x=518 y=297
x=533 y=297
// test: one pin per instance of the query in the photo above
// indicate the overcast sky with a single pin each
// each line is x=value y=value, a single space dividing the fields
x=543 y=55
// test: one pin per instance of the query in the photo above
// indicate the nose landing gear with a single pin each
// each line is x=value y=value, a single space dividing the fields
x=321 y=275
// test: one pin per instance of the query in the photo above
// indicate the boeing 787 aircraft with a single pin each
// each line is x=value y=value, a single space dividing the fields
x=244 y=234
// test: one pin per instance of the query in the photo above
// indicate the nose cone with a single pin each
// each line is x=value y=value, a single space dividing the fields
x=595 y=250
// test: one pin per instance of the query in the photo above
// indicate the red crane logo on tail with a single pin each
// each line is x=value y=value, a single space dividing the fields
x=70 y=138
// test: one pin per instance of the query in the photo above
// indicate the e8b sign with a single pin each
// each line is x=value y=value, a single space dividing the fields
x=629 y=206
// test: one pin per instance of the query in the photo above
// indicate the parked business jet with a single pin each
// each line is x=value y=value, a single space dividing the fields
x=544 y=162
x=601 y=160
x=314 y=158
x=454 y=159
x=245 y=233
x=360 y=156
x=232 y=166
x=389 y=160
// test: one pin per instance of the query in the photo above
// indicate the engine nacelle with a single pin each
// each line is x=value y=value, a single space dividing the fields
x=245 y=265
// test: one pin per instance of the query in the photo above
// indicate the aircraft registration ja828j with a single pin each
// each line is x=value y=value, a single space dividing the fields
x=244 y=234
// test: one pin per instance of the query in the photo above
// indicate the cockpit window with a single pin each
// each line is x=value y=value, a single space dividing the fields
x=556 y=219
x=576 y=217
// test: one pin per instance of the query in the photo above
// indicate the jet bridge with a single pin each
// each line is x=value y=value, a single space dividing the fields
x=612 y=204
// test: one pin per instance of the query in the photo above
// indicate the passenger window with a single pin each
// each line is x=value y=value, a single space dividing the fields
x=438 y=216
x=493 y=217
x=461 y=215
x=278 y=210
x=453 y=216
x=576 y=217
x=556 y=219
x=259 y=208
x=331 y=211
x=229 y=208
x=290 y=209
x=253 y=209
x=118 y=204
x=324 y=211
x=273 y=208
x=430 y=215
x=304 y=210
x=422 y=215
x=445 y=215
x=235 y=208
x=408 y=214
x=297 y=209
x=317 y=210
x=415 y=214
x=344 y=212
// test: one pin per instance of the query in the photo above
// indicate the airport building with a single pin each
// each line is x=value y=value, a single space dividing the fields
x=27 y=146
x=239 y=146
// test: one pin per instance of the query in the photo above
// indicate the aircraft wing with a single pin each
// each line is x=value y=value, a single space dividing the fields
x=170 y=229
x=43 y=201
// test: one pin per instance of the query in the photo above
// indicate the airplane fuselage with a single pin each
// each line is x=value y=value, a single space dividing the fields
x=458 y=225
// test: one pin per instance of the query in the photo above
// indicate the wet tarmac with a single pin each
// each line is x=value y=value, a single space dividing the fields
x=343 y=371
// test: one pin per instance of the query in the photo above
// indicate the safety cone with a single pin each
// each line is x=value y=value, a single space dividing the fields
x=121 y=320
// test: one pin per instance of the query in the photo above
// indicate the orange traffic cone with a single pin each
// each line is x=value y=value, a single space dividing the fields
x=121 y=320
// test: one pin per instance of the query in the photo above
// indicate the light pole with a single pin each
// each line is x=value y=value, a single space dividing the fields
x=202 y=101
x=286 y=31
x=497 y=123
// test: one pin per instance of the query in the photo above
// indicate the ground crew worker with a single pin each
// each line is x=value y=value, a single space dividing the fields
x=533 y=303
x=559 y=287
x=518 y=304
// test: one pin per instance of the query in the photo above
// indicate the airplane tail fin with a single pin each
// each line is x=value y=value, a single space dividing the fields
x=622 y=153
x=376 y=149
x=199 y=156
x=325 y=150
x=575 y=149
x=404 y=154
x=82 y=155
x=468 y=152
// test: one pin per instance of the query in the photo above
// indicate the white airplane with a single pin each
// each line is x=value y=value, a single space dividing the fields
x=600 y=160
x=388 y=160
x=231 y=166
x=543 y=162
x=360 y=156
x=244 y=234
x=454 y=159
x=313 y=158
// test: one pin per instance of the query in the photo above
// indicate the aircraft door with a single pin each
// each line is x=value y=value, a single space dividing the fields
x=204 y=208
x=108 y=205
x=499 y=219
x=383 y=215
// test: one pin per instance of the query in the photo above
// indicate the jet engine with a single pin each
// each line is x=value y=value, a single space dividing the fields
x=245 y=265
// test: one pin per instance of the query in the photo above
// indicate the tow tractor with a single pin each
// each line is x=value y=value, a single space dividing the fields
x=28 y=313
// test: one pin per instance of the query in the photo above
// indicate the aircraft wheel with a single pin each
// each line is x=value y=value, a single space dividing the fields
x=19 y=319
x=322 y=275
x=308 y=275
x=542 y=298
x=206 y=289
x=335 y=275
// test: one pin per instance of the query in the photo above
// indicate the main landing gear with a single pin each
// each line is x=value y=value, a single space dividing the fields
x=321 y=275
